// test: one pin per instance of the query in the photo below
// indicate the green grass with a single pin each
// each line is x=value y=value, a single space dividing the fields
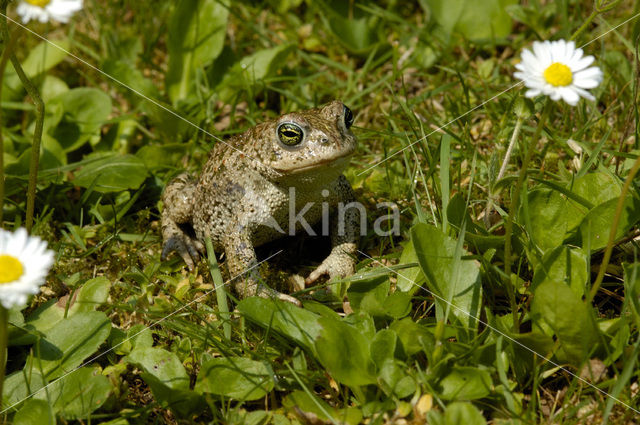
x=403 y=354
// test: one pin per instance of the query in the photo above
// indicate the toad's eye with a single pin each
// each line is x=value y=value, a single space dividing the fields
x=348 y=117
x=290 y=134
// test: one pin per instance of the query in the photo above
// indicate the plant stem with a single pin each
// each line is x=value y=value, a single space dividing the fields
x=599 y=8
x=585 y=24
x=32 y=91
x=512 y=143
x=612 y=232
x=3 y=347
x=514 y=209
x=7 y=47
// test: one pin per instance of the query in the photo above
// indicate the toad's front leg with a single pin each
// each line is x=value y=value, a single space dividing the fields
x=243 y=266
x=178 y=200
x=345 y=227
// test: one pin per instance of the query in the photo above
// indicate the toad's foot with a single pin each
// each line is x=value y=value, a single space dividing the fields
x=250 y=286
x=177 y=240
x=339 y=263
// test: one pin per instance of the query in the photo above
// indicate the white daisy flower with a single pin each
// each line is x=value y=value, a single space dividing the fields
x=559 y=70
x=46 y=10
x=24 y=263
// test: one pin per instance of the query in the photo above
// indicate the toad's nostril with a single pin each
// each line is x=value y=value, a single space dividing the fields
x=324 y=140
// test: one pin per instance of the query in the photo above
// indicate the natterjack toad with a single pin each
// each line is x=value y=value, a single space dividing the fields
x=277 y=178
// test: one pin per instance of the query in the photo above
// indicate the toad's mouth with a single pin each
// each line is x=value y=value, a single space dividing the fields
x=340 y=161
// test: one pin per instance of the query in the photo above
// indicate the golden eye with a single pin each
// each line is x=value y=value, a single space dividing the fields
x=290 y=134
x=348 y=117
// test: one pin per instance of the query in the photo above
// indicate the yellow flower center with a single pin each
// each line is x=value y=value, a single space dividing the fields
x=10 y=268
x=39 y=3
x=558 y=74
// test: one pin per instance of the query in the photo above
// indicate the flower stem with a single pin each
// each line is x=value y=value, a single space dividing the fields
x=514 y=209
x=512 y=143
x=32 y=91
x=600 y=7
x=585 y=24
x=7 y=48
x=612 y=231
x=3 y=347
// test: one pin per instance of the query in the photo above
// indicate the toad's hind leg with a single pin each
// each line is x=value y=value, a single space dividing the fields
x=178 y=199
x=242 y=263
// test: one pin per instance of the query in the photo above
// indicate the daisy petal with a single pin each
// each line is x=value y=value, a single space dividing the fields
x=582 y=63
x=584 y=93
x=568 y=95
x=532 y=93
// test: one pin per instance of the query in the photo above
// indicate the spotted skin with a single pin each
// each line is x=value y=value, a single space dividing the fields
x=242 y=197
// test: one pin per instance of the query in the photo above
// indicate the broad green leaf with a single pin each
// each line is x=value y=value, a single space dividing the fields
x=546 y=217
x=235 y=377
x=383 y=346
x=133 y=78
x=450 y=278
x=20 y=385
x=354 y=27
x=34 y=412
x=368 y=294
x=298 y=324
x=393 y=379
x=196 y=37
x=397 y=305
x=241 y=416
x=446 y=14
x=159 y=156
x=409 y=279
x=137 y=337
x=91 y=295
x=41 y=58
x=557 y=307
x=167 y=378
x=413 y=336
x=463 y=413
x=563 y=264
x=52 y=155
x=311 y=404
x=596 y=187
x=595 y=227
x=85 y=110
x=253 y=69
x=486 y=20
x=371 y=295
x=44 y=57
x=112 y=173
x=16 y=325
x=69 y=342
x=465 y=383
x=79 y=393
x=162 y=364
x=52 y=87
x=344 y=352
x=361 y=322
